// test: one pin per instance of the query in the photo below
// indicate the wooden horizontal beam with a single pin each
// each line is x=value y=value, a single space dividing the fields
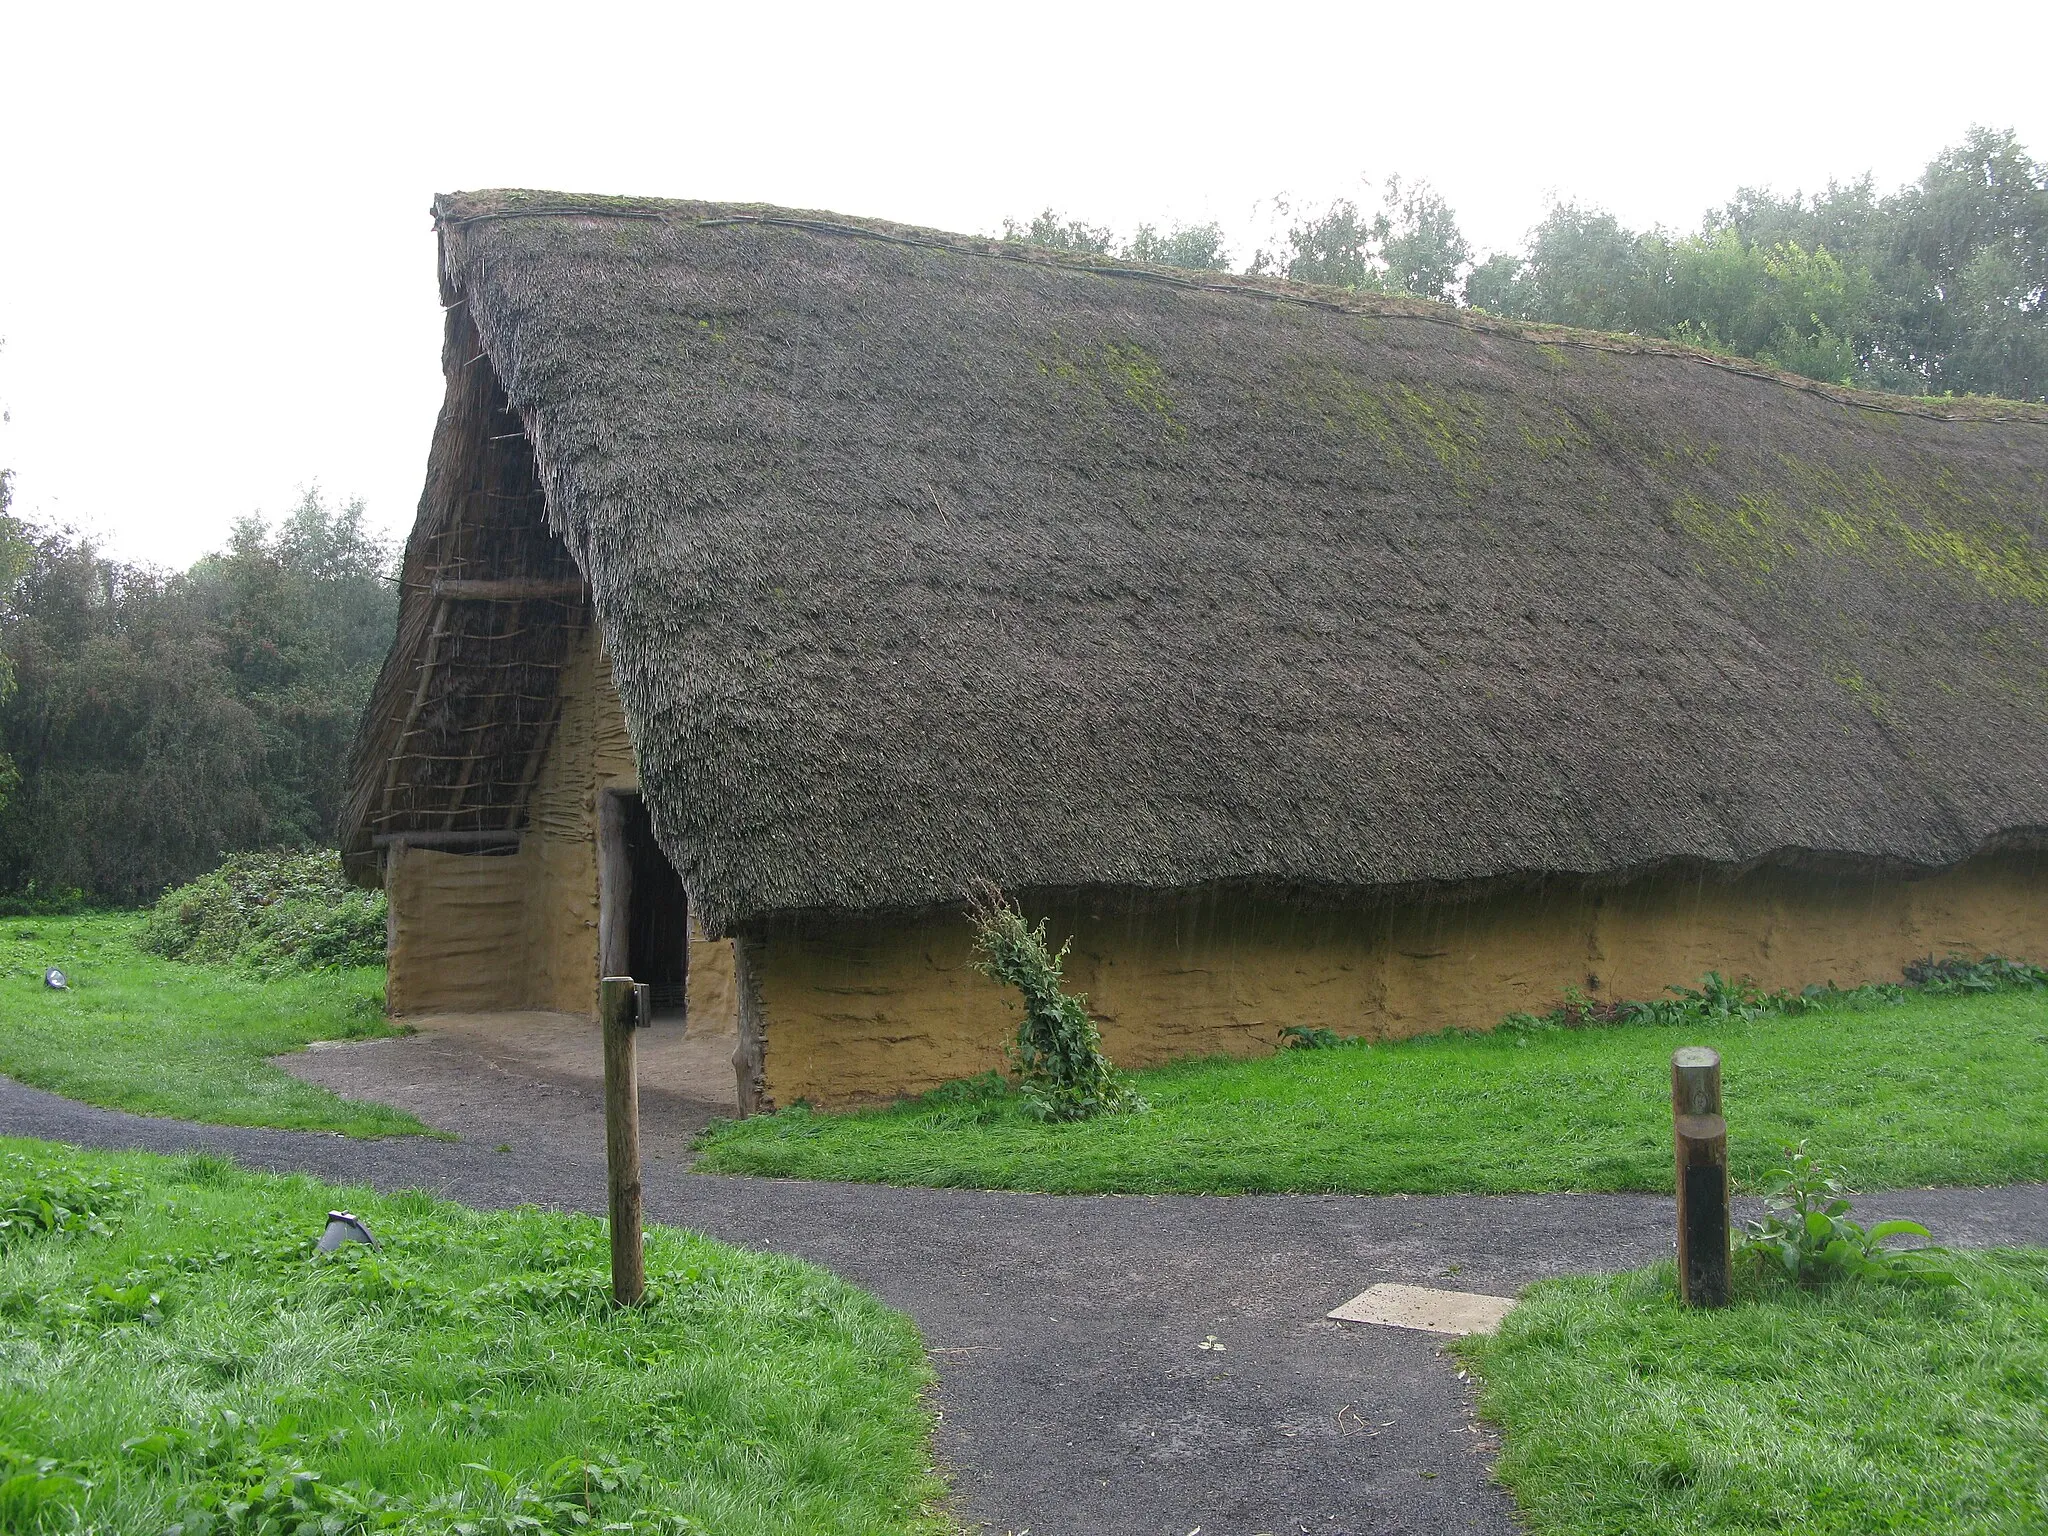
x=464 y=839
x=508 y=591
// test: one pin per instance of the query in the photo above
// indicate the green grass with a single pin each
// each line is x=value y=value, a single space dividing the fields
x=160 y=1037
x=1852 y=1412
x=1932 y=1090
x=469 y=1377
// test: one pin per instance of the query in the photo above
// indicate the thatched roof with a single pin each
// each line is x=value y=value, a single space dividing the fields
x=923 y=559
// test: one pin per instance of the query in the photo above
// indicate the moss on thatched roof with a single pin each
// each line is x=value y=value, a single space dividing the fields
x=923 y=559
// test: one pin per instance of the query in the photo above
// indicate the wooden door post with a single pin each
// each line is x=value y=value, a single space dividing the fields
x=614 y=885
x=621 y=1008
x=1700 y=1137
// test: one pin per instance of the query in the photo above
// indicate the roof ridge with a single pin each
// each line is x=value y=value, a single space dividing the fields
x=1305 y=295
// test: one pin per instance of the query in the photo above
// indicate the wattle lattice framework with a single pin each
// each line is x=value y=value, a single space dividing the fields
x=493 y=602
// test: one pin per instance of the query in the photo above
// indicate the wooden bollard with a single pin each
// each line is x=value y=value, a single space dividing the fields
x=622 y=1007
x=1700 y=1137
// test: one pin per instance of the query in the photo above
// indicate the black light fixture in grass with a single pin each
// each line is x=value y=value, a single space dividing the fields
x=56 y=980
x=343 y=1227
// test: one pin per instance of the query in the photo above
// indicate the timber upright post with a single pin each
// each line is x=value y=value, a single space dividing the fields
x=621 y=1008
x=1700 y=1137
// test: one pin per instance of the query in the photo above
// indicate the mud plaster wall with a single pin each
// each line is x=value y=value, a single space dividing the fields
x=865 y=1009
x=472 y=932
x=713 y=1005
x=455 y=931
x=590 y=752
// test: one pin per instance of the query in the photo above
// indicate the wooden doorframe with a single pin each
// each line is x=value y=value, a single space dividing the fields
x=614 y=882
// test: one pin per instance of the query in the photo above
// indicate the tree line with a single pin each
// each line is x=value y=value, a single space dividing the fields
x=1937 y=287
x=153 y=721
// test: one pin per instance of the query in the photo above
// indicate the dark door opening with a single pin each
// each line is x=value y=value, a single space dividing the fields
x=648 y=916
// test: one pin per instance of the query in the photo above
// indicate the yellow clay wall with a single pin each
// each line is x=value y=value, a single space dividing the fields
x=864 y=1009
x=591 y=752
x=455 y=920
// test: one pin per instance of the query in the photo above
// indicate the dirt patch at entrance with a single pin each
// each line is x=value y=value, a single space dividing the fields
x=531 y=1081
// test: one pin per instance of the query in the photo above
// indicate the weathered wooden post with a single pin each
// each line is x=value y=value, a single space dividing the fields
x=622 y=1007
x=1700 y=1136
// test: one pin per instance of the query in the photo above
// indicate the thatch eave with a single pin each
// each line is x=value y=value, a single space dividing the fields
x=1539 y=884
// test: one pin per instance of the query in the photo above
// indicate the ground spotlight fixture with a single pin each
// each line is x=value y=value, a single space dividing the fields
x=56 y=980
x=343 y=1227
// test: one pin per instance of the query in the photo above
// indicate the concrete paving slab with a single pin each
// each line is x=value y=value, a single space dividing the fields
x=1425 y=1309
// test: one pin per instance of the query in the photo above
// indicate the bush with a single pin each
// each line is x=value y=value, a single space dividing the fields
x=272 y=913
x=30 y=902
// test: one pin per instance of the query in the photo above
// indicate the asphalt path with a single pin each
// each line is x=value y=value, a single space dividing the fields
x=1074 y=1394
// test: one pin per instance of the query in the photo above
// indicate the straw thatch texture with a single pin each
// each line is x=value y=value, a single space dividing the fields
x=923 y=560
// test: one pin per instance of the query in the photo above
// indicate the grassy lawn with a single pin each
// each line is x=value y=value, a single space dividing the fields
x=1859 y=1410
x=194 y=1365
x=161 y=1037
x=1932 y=1090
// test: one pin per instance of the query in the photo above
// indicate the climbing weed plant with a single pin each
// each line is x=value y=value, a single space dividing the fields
x=1058 y=1050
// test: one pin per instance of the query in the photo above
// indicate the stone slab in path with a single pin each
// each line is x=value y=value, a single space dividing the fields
x=1425 y=1309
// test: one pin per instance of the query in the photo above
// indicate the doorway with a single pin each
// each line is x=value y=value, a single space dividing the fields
x=643 y=910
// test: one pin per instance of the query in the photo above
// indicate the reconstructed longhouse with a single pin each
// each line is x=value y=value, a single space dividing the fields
x=1310 y=658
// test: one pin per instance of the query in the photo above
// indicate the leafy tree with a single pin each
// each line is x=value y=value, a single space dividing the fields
x=14 y=557
x=1196 y=247
x=1422 y=250
x=1584 y=268
x=1964 y=272
x=1333 y=247
x=1942 y=286
x=1797 y=309
x=1056 y=231
x=1939 y=287
x=1847 y=219
x=138 y=765
x=1498 y=285
x=305 y=613
x=1411 y=245
x=162 y=720
x=1985 y=194
x=2000 y=345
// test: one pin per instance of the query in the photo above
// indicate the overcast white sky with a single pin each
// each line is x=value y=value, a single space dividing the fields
x=216 y=267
